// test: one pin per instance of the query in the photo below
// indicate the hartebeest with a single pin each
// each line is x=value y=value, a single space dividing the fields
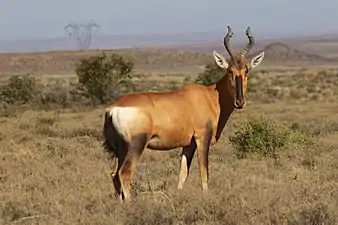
x=191 y=117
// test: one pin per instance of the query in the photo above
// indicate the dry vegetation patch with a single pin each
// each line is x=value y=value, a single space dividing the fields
x=53 y=170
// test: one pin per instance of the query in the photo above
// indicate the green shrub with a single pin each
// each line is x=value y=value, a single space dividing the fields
x=103 y=77
x=263 y=137
x=20 y=89
x=253 y=82
x=187 y=79
x=211 y=75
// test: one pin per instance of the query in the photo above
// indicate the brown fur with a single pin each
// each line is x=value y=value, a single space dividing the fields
x=192 y=117
x=237 y=68
x=237 y=62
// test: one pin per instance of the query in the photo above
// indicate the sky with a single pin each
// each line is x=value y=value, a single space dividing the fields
x=46 y=18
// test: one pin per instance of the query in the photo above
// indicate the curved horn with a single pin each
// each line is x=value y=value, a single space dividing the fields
x=226 y=40
x=251 y=41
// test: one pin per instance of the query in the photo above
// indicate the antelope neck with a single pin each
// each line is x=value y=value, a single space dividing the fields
x=225 y=102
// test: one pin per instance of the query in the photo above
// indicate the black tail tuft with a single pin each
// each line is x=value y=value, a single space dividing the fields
x=108 y=130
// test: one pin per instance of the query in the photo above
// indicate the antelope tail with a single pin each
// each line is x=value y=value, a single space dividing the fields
x=108 y=135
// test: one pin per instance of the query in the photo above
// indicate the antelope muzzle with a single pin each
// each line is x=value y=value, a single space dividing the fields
x=240 y=100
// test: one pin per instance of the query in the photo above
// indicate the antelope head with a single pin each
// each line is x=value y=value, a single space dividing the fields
x=237 y=68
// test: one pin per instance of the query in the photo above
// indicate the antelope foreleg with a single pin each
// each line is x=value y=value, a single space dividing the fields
x=203 y=145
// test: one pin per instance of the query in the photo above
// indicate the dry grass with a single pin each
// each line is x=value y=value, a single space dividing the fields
x=300 y=86
x=53 y=171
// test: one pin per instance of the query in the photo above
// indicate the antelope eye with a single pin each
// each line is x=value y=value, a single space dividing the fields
x=246 y=71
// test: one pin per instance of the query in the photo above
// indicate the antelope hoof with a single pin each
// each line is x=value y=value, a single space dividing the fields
x=180 y=187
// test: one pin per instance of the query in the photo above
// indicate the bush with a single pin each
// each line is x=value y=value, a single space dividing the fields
x=102 y=78
x=263 y=137
x=58 y=94
x=211 y=75
x=20 y=89
x=253 y=79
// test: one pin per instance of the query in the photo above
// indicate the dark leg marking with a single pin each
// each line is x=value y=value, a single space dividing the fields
x=186 y=159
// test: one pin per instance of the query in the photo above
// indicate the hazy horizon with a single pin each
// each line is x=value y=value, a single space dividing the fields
x=46 y=19
x=186 y=21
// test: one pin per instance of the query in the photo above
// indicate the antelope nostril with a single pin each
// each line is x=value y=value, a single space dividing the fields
x=239 y=102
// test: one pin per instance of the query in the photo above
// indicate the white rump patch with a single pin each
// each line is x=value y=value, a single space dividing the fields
x=124 y=119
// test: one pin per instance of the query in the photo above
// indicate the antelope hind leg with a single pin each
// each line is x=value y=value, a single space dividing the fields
x=135 y=149
x=115 y=167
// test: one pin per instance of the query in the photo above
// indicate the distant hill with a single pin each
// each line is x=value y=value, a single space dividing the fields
x=280 y=53
x=165 y=59
x=189 y=41
x=323 y=47
x=108 y=42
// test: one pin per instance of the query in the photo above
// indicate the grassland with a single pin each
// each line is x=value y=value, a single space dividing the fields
x=53 y=169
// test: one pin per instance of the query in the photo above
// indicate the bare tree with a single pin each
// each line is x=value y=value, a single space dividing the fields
x=83 y=33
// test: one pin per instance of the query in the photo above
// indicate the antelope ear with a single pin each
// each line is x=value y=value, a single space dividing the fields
x=256 y=61
x=220 y=60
